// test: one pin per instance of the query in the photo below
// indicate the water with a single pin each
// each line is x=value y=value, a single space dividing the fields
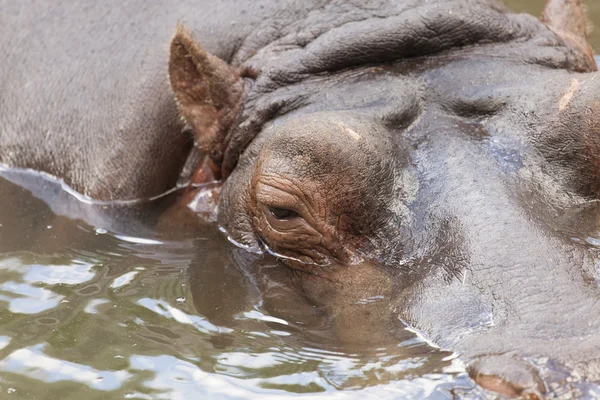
x=97 y=304
x=120 y=310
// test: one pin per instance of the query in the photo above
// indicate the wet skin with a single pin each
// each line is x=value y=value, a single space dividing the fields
x=489 y=258
x=443 y=165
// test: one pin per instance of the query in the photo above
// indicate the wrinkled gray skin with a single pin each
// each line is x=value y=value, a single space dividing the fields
x=446 y=154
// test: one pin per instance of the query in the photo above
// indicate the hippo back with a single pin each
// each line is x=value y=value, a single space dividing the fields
x=84 y=87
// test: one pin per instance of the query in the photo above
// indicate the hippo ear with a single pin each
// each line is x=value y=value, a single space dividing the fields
x=207 y=90
x=567 y=19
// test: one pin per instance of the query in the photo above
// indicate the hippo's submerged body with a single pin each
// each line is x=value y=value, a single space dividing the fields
x=441 y=155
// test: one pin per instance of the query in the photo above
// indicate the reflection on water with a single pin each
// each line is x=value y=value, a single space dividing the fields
x=96 y=304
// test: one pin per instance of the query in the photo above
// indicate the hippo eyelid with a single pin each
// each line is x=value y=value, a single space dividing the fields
x=282 y=213
x=273 y=197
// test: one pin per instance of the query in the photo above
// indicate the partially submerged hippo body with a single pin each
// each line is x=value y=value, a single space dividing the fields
x=441 y=155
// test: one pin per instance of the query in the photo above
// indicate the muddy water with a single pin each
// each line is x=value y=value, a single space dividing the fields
x=96 y=304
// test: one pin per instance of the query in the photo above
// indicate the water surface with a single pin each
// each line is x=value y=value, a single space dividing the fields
x=95 y=303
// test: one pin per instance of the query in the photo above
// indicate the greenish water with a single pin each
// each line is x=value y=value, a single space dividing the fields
x=87 y=312
x=94 y=304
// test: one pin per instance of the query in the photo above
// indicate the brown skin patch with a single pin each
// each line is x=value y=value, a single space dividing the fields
x=497 y=385
x=500 y=386
x=508 y=377
x=307 y=235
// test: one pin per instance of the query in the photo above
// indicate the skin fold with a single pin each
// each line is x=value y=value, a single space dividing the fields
x=440 y=157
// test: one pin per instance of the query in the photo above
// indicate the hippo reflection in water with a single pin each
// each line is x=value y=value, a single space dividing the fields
x=441 y=155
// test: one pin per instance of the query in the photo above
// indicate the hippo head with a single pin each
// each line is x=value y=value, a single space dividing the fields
x=316 y=189
x=443 y=166
x=316 y=184
x=312 y=143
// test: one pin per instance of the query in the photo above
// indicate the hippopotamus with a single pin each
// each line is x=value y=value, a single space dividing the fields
x=438 y=158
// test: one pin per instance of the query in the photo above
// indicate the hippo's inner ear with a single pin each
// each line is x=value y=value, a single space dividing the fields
x=207 y=90
x=567 y=19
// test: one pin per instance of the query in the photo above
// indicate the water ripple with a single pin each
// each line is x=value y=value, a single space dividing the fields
x=33 y=363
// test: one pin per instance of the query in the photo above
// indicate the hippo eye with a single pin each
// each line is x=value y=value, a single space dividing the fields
x=282 y=213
